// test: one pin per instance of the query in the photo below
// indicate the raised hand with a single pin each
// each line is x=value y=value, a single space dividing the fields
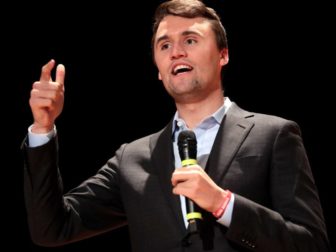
x=47 y=98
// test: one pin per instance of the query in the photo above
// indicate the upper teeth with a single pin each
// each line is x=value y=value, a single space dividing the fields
x=180 y=67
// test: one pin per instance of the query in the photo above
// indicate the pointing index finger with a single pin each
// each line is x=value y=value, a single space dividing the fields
x=46 y=71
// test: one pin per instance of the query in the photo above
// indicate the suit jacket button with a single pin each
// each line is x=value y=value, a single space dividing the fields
x=186 y=243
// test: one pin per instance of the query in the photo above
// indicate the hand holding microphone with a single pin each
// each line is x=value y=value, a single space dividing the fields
x=195 y=183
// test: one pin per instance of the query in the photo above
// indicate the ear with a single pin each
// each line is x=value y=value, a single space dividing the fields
x=159 y=76
x=224 y=57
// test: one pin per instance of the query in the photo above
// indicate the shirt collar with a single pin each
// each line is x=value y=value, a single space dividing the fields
x=216 y=117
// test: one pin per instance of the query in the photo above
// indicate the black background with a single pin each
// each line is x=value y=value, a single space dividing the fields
x=280 y=63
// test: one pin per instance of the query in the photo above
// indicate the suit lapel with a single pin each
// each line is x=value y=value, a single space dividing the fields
x=163 y=161
x=231 y=134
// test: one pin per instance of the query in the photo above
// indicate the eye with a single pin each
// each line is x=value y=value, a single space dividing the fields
x=164 y=46
x=190 y=41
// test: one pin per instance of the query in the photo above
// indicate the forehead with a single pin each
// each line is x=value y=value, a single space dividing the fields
x=174 y=25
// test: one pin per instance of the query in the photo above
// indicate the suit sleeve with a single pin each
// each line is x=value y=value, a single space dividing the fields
x=295 y=221
x=55 y=218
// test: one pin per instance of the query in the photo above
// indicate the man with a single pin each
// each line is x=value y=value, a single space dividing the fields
x=252 y=185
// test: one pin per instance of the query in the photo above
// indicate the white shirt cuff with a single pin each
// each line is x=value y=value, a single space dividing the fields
x=227 y=216
x=38 y=139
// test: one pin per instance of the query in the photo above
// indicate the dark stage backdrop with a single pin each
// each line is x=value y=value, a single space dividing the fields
x=278 y=65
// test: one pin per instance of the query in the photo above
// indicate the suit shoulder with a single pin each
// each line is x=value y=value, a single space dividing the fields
x=272 y=120
x=262 y=118
x=148 y=140
x=265 y=121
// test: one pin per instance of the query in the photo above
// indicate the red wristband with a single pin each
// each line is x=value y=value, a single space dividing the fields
x=218 y=213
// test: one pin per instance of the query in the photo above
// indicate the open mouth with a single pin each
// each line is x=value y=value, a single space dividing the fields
x=181 y=69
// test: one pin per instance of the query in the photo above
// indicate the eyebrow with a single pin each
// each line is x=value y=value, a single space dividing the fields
x=185 y=33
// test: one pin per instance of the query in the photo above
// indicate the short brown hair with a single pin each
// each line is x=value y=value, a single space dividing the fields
x=190 y=9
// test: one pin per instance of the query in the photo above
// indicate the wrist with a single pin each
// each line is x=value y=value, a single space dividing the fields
x=225 y=201
x=35 y=128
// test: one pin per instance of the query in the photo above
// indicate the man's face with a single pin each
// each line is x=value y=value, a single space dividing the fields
x=187 y=57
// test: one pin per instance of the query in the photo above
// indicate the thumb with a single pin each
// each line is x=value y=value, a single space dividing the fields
x=60 y=74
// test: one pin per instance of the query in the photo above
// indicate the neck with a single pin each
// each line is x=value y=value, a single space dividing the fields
x=194 y=112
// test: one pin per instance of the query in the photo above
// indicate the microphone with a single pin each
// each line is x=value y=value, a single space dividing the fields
x=187 y=145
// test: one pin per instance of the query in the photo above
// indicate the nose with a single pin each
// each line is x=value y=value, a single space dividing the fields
x=178 y=51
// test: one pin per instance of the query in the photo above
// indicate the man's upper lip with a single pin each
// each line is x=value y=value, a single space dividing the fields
x=178 y=64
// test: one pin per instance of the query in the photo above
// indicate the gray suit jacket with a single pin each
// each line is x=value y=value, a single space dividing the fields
x=260 y=158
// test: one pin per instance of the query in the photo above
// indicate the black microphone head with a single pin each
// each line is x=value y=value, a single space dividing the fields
x=187 y=145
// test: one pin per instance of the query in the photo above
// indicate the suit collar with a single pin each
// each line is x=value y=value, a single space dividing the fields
x=162 y=156
x=233 y=131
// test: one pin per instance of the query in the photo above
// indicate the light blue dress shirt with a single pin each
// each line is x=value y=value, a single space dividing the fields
x=205 y=133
